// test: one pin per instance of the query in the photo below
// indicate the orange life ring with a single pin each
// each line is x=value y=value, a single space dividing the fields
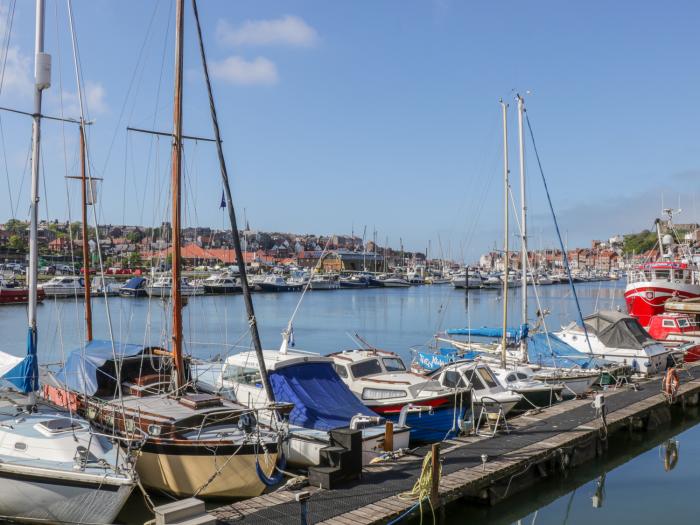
x=671 y=382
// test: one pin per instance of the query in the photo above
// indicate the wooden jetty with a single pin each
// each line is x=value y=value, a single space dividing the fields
x=488 y=469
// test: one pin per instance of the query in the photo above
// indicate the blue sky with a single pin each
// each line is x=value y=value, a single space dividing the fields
x=382 y=114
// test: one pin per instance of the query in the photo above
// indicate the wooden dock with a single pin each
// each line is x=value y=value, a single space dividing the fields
x=489 y=469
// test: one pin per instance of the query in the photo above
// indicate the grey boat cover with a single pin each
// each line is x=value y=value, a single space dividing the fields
x=618 y=330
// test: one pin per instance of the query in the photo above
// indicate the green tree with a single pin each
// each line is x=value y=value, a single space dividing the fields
x=639 y=242
x=134 y=260
x=16 y=242
x=16 y=227
x=135 y=236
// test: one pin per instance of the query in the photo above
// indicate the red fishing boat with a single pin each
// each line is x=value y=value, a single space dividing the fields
x=677 y=329
x=11 y=292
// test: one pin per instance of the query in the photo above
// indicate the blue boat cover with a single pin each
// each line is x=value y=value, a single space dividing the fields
x=82 y=373
x=25 y=374
x=134 y=283
x=548 y=350
x=511 y=333
x=321 y=400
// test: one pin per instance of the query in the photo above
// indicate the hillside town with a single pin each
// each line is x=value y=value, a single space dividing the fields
x=130 y=247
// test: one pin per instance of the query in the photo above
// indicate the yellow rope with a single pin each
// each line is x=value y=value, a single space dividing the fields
x=422 y=488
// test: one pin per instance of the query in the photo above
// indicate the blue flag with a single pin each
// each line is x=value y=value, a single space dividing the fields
x=223 y=200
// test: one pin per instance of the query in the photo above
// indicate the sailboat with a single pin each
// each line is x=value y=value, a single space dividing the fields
x=194 y=443
x=53 y=468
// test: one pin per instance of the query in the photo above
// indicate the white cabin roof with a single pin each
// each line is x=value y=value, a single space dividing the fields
x=275 y=360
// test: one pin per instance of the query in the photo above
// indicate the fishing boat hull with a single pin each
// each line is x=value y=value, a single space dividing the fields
x=205 y=471
x=33 y=495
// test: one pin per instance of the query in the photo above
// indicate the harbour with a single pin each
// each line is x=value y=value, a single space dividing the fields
x=162 y=362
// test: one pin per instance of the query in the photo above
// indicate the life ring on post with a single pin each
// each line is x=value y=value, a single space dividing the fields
x=671 y=382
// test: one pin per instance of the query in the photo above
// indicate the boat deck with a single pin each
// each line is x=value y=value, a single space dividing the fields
x=538 y=445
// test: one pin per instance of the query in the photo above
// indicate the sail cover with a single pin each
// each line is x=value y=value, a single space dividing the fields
x=321 y=400
x=15 y=370
x=548 y=350
x=512 y=333
x=86 y=369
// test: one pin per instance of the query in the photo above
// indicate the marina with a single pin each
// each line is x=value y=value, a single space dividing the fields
x=180 y=367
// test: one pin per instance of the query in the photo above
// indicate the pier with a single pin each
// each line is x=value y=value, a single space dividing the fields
x=489 y=469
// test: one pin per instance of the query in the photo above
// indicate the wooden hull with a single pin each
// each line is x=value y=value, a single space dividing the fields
x=188 y=473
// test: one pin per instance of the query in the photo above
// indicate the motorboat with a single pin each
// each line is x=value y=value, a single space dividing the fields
x=354 y=281
x=487 y=390
x=223 y=283
x=277 y=283
x=677 y=330
x=619 y=338
x=522 y=380
x=134 y=287
x=470 y=279
x=393 y=281
x=12 y=292
x=193 y=443
x=415 y=277
x=382 y=382
x=162 y=287
x=325 y=281
x=105 y=286
x=321 y=401
x=64 y=286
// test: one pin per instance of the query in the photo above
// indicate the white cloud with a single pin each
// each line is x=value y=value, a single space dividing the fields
x=237 y=70
x=17 y=77
x=95 y=103
x=288 y=30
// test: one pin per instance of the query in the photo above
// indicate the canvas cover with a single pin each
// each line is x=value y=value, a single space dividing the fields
x=86 y=370
x=321 y=400
x=617 y=330
x=512 y=333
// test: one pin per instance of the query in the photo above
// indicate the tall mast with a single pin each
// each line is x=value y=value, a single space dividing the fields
x=252 y=321
x=86 y=247
x=506 y=253
x=177 y=198
x=523 y=223
x=42 y=80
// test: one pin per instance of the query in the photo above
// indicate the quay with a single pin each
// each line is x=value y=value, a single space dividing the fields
x=538 y=445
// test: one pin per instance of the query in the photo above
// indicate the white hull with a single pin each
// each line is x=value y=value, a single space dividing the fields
x=52 y=291
x=42 y=495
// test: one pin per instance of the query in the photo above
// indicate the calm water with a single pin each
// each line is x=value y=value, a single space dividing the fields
x=394 y=319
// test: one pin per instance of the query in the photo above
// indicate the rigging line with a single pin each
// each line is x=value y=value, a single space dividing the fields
x=77 y=68
x=565 y=256
x=117 y=126
x=5 y=52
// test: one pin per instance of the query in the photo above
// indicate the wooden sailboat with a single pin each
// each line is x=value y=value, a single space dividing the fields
x=192 y=443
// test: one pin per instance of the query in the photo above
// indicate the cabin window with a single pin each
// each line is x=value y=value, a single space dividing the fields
x=366 y=368
x=341 y=371
x=662 y=274
x=683 y=323
x=452 y=379
x=394 y=364
x=510 y=378
x=242 y=374
x=668 y=323
x=487 y=377
x=521 y=375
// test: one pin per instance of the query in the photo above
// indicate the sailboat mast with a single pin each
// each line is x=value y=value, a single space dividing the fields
x=506 y=253
x=247 y=297
x=523 y=222
x=42 y=80
x=177 y=197
x=86 y=246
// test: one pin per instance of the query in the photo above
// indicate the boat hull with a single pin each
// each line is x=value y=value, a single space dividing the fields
x=18 y=295
x=54 y=499
x=185 y=471
x=220 y=290
x=432 y=426
x=647 y=298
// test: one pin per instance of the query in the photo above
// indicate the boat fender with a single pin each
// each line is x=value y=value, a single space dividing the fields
x=246 y=422
x=671 y=382
x=278 y=472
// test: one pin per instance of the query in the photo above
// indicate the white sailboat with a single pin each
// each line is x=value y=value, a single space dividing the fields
x=53 y=468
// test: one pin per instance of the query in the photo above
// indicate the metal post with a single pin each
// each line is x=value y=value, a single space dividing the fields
x=435 y=478
x=523 y=222
x=506 y=253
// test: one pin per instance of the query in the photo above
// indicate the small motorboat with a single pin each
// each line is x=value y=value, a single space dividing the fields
x=222 y=283
x=325 y=281
x=162 y=287
x=277 y=283
x=393 y=281
x=64 y=286
x=354 y=281
x=383 y=383
x=134 y=287
x=12 y=292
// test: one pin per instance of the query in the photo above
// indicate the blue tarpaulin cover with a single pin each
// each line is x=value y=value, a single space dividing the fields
x=511 y=333
x=321 y=400
x=81 y=373
x=556 y=352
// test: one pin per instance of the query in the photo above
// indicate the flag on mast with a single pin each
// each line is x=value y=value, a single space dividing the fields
x=223 y=200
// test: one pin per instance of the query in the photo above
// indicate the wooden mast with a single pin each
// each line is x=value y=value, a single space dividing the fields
x=177 y=199
x=86 y=246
